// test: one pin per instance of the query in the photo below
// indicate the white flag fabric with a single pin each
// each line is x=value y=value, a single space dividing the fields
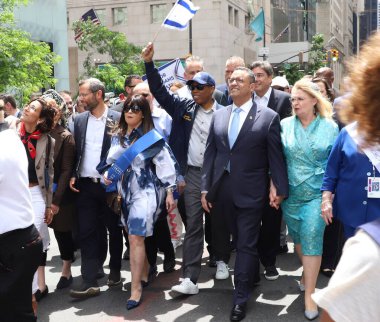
x=180 y=15
x=171 y=72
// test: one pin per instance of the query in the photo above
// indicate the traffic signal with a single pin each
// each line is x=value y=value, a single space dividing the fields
x=334 y=54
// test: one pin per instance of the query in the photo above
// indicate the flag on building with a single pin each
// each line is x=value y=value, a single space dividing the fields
x=258 y=25
x=180 y=15
x=286 y=29
x=89 y=15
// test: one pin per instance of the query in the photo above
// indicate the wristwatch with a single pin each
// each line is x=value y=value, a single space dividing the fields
x=169 y=190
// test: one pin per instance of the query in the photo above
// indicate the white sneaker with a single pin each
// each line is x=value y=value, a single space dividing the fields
x=176 y=243
x=186 y=287
x=222 y=272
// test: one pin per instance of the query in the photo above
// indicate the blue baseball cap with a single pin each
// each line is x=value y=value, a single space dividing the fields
x=202 y=78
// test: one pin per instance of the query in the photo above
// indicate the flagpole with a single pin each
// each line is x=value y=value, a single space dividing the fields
x=190 y=37
x=158 y=31
x=264 y=56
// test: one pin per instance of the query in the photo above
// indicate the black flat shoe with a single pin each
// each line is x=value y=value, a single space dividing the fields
x=64 y=282
x=238 y=312
x=40 y=295
x=132 y=304
x=327 y=272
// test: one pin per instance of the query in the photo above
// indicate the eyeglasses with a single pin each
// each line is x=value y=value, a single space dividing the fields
x=134 y=109
x=199 y=87
x=296 y=99
x=260 y=75
x=85 y=94
x=237 y=80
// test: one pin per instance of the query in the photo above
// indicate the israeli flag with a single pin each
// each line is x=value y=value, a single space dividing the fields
x=180 y=15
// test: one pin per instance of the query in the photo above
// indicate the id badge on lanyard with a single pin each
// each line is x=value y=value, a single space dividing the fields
x=373 y=186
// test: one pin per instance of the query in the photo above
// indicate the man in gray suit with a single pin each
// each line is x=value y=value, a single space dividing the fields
x=244 y=144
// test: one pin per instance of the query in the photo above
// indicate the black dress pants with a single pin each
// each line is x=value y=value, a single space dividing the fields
x=20 y=256
x=94 y=218
x=269 y=240
x=244 y=225
x=160 y=240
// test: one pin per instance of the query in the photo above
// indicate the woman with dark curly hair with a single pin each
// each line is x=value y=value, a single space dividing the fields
x=146 y=182
x=351 y=183
x=36 y=122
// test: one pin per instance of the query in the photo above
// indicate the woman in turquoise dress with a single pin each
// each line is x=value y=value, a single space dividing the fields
x=307 y=139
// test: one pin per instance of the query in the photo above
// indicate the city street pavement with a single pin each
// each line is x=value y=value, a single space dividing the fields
x=278 y=300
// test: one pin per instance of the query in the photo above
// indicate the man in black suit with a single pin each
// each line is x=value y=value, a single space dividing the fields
x=231 y=63
x=279 y=101
x=244 y=143
x=92 y=138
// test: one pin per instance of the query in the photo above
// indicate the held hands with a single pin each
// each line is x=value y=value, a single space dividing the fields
x=147 y=53
x=54 y=209
x=205 y=204
x=274 y=200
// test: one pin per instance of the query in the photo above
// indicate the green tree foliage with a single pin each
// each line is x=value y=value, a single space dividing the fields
x=317 y=59
x=25 y=65
x=123 y=58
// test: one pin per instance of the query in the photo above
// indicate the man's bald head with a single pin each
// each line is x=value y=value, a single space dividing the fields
x=144 y=90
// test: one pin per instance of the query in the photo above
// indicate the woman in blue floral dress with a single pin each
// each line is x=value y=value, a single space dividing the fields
x=146 y=185
x=307 y=139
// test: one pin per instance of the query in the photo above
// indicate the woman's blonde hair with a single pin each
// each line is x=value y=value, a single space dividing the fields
x=323 y=106
x=364 y=101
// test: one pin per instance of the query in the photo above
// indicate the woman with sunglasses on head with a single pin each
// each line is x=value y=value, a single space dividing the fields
x=307 y=139
x=151 y=173
x=36 y=122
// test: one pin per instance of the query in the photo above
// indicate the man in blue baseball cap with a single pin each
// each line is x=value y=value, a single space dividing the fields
x=190 y=128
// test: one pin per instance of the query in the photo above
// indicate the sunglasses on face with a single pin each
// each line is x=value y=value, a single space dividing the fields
x=134 y=109
x=199 y=87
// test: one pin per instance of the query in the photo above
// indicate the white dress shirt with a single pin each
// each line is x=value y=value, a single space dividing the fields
x=245 y=108
x=162 y=122
x=93 y=145
x=262 y=101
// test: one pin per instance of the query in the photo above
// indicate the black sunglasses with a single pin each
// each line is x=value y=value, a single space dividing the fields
x=134 y=109
x=199 y=87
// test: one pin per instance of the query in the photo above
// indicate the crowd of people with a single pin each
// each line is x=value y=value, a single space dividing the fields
x=240 y=161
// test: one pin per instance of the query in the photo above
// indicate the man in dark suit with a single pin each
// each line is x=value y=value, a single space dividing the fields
x=191 y=121
x=231 y=63
x=92 y=138
x=244 y=143
x=279 y=101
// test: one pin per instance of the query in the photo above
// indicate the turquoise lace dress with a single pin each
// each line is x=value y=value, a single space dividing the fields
x=306 y=152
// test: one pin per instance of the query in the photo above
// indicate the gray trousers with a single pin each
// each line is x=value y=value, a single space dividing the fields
x=193 y=241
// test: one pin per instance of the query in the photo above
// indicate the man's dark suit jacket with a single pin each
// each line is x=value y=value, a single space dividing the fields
x=80 y=131
x=279 y=102
x=256 y=150
x=226 y=100
x=182 y=111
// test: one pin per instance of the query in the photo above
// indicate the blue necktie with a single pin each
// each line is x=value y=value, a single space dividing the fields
x=234 y=128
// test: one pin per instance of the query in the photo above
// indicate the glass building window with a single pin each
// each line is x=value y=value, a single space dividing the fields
x=236 y=18
x=230 y=15
x=119 y=16
x=158 y=13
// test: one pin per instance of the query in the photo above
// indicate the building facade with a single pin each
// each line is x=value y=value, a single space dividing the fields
x=219 y=30
x=45 y=20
